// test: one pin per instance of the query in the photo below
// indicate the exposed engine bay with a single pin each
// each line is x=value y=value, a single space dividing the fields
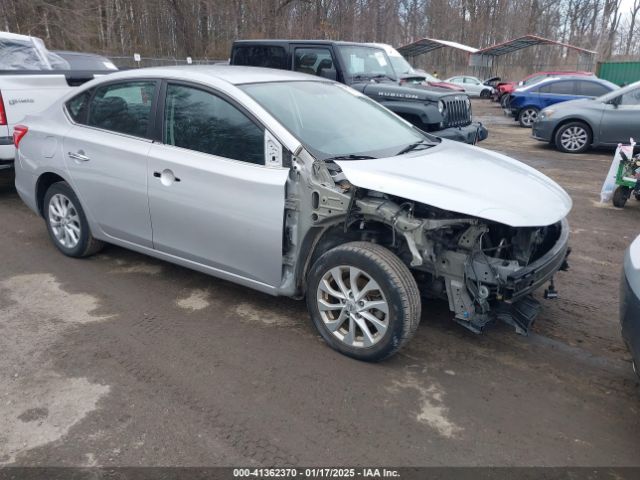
x=484 y=269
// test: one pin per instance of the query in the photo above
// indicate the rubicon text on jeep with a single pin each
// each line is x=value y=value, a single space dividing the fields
x=368 y=69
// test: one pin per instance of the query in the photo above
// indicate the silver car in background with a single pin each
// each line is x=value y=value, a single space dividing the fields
x=297 y=186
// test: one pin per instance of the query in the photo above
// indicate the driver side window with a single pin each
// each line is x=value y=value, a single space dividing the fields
x=199 y=120
x=631 y=98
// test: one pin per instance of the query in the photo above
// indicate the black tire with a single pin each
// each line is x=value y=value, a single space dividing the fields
x=527 y=116
x=396 y=284
x=585 y=132
x=620 y=196
x=504 y=100
x=86 y=244
x=485 y=93
x=637 y=196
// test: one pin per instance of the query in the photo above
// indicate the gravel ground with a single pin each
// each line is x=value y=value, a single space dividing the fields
x=120 y=359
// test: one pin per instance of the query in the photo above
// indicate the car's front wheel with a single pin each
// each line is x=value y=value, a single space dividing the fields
x=363 y=300
x=573 y=137
x=620 y=196
x=527 y=116
x=67 y=223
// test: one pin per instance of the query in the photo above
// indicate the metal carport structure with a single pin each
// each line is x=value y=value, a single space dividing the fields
x=426 y=45
x=486 y=59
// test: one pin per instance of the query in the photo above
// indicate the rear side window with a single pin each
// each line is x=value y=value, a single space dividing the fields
x=198 y=120
x=78 y=107
x=592 y=89
x=123 y=107
x=260 y=56
x=567 y=87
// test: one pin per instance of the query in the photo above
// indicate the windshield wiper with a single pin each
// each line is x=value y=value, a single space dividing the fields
x=350 y=157
x=382 y=75
x=415 y=146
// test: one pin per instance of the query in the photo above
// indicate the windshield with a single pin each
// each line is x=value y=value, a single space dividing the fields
x=617 y=91
x=365 y=62
x=400 y=65
x=331 y=120
x=21 y=55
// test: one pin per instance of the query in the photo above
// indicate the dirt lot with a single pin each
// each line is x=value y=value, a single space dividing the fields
x=120 y=359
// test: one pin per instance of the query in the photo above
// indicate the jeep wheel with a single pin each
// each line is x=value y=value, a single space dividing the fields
x=67 y=223
x=620 y=196
x=527 y=116
x=363 y=300
x=573 y=137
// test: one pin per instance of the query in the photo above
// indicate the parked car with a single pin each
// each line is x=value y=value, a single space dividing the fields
x=409 y=76
x=577 y=125
x=630 y=302
x=368 y=69
x=295 y=186
x=85 y=61
x=504 y=89
x=29 y=82
x=436 y=82
x=525 y=103
x=473 y=86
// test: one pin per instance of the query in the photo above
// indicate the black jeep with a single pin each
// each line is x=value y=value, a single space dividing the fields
x=367 y=68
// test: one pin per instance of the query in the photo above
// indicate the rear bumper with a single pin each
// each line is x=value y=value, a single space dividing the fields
x=472 y=133
x=7 y=150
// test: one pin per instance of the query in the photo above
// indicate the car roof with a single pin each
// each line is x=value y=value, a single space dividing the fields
x=306 y=42
x=233 y=74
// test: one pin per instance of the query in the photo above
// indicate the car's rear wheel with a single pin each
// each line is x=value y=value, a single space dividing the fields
x=363 y=300
x=67 y=223
x=527 y=116
x=620 y=196
x=573 y=137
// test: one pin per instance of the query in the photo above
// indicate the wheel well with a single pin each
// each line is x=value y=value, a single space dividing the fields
x=571 y=120
x=44 y=182
x=319 y=241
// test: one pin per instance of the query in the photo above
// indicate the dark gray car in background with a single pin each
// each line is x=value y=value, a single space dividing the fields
x=577 y=125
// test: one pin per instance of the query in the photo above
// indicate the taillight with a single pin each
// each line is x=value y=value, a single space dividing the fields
x=3 y=115
x=19 y=131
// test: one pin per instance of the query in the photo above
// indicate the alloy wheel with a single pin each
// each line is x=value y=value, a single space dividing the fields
x=352 y=306
x=574 y=138
x=64 y=220
x=529 y=116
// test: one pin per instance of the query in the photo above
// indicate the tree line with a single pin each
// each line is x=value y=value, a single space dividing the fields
x=206 y=28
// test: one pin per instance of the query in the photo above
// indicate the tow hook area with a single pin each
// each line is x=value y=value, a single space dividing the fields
x=550 y=292
x=520 y=315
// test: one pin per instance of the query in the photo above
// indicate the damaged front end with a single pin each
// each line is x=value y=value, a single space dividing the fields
x=486 y=270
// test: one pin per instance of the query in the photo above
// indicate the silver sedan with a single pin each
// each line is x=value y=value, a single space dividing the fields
x=296 y=186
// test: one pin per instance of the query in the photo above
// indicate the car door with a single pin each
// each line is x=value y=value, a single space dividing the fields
x=621 y=118
x=556 y=92
x=472 y=86
x=212 y=199
x=106 y=154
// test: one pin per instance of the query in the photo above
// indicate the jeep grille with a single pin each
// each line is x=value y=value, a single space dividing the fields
x=456 y=112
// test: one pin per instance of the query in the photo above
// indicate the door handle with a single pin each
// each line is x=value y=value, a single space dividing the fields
x=79 y=156
x=166 y=177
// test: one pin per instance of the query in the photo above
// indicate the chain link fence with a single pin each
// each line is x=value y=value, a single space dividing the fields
x=128 y=62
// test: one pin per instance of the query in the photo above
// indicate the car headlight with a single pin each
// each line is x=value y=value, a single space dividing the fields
x=440 y=106
x=546 y=113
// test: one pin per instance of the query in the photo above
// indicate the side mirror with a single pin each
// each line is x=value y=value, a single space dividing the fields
x=615 y=102
x=329 y=73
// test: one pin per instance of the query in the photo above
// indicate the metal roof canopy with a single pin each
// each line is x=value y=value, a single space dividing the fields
x=526 y=42
x=426 y=45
